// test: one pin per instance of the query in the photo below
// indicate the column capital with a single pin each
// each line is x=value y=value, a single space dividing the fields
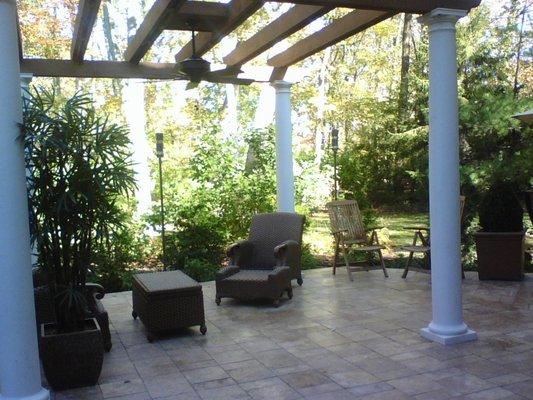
x=442 y=18
x=282 y=86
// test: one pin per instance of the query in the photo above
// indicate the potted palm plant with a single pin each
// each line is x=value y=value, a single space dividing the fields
x=500 y=242
x=78 y=167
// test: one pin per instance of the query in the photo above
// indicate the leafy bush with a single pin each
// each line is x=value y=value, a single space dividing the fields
x=500 y=209
x=200 y=270
x=309 y=261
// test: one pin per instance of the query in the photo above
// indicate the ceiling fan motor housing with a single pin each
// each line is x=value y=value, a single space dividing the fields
x=195 y=68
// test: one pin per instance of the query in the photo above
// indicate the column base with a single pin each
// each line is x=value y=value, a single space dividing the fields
x=43 y=394
x=467 y=336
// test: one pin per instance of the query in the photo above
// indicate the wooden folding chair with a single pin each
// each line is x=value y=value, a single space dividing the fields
x=423 y=234
x=349 y=233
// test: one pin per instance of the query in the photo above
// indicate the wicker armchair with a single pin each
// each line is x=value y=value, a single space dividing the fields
x=264 y=265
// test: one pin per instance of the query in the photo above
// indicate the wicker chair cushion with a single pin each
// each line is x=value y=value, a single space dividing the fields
x=270 y=230
x=166 y=281
x=250 y=275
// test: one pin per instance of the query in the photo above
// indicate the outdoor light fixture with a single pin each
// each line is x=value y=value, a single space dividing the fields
x=335 y=148
x=335 y=139
x=159 y=145
x=159 y=151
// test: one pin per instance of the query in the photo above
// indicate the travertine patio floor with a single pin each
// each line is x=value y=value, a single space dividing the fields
x=334 y=340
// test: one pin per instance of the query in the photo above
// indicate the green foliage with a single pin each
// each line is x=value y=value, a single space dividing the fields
x=201 y=270
x=228 y=185
x=500 y=210
x=309 y=261
x=78 y=169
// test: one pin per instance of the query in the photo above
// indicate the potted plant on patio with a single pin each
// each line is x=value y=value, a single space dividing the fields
x=78 y=166
x=500 y=242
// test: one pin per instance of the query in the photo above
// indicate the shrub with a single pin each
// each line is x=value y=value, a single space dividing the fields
x=500 y=209
x=200 y=270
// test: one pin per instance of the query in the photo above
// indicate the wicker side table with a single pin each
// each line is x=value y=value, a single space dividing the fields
x=166 y=301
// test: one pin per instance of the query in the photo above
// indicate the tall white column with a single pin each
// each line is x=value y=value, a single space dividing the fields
x=20 y=376
x=447 y=326
x=284 y=172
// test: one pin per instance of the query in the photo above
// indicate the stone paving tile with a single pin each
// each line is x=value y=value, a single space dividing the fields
x=122 y=388
x=465 y=384
x=168 y=385
x=155 y=366
x=279 y=391
x=416 y=384
x=233 y=392
x=353 y=377
x=247 y=371
x=361 y=335
x=205 y=374
x=524 y=388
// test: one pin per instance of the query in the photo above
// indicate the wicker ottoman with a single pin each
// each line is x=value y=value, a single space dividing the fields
x=166 y=301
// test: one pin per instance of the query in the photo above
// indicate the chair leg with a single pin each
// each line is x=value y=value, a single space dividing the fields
x=347 y=262
x=383 y=264
x=407 y=265
x=336 y=256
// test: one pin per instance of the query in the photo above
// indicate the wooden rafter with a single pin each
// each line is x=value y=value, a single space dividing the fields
x=288 y=23
x=343 y=28
x=99 y=69
x=85 y=19
x=408 y=6
x=239 y=11
x=207 y=16
x=150 y=29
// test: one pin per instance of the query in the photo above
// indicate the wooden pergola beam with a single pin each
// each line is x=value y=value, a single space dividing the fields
x=337 y=31
x=408 y=6
x=288 y=23
x=100 y=69
x=150 y=29
x=238 y=12
x=207 y=16
x=83 y=26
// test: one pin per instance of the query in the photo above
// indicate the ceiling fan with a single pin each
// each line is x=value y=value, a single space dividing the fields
x=196 y=69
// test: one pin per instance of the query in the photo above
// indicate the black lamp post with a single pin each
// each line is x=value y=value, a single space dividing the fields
x=335 y=148
x=159 y=153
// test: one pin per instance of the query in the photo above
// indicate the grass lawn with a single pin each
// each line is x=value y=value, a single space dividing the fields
x=393 y=235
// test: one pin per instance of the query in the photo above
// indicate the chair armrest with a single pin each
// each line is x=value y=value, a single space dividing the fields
x=241 y=253
x=226 y=272
x=375 y=228
x=95 y=290
x=280 y=275
x=287 y=253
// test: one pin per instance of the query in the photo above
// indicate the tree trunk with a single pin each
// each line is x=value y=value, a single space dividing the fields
x=112 y=48
x=406 y=63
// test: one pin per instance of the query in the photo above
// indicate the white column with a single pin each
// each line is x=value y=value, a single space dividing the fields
x=447 y=326
x=20 y=376
x=284 y=172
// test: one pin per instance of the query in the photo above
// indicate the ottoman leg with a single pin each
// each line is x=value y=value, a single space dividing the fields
x=150 y=337
x=134 y=314
x=203 y=329
x=217 y=300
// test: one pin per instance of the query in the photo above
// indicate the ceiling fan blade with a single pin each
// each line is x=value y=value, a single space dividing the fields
x=231 y=70
x=192 y=85
x=228 y=79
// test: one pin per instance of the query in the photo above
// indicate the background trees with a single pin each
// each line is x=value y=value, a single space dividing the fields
x=373 y=87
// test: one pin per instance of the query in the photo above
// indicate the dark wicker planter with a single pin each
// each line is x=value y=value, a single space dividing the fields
x=72 y=360
x=500 y=255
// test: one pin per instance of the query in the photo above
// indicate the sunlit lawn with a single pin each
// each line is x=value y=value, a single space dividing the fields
x=393 y=235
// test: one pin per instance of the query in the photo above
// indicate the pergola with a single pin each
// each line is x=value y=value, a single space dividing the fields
x=19 y=364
